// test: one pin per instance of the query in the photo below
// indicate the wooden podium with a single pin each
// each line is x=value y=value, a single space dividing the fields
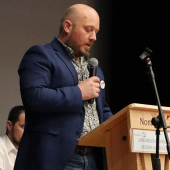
x=116 y=135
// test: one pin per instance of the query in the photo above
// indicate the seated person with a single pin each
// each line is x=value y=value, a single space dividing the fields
x=9 y=143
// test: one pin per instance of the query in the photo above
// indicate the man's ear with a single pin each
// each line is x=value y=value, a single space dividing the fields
x=9 y=125
x=67 y=26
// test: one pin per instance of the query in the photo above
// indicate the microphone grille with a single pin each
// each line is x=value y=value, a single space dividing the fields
x=93 y=62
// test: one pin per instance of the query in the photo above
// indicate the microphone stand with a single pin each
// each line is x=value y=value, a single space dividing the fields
x=159 y=121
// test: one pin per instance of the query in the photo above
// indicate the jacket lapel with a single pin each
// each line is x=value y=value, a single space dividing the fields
x=59 y=50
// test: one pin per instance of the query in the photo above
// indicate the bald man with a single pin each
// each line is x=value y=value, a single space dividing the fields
x=55 y=89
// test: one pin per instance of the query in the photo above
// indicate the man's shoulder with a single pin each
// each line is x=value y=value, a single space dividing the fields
x=2 y=144
x=46 y=53
x=3 y=140
x=39 y=51
x=39 y=47
x=54 y=44
x=5 y=144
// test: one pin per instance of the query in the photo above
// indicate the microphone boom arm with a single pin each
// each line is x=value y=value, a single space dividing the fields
x=160 y=120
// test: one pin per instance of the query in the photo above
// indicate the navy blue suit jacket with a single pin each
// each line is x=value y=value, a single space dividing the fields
x=54 y=108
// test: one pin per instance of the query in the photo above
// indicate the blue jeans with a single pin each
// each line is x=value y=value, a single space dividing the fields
x=78 y=162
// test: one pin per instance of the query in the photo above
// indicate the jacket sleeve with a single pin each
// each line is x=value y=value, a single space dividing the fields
x=106 y=112
x=103 y=108
x=35 y=73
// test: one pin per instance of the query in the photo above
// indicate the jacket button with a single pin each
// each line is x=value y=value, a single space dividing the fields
x=77 y=133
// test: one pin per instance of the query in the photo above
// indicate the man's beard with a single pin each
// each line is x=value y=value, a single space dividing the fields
x=80 y=53
x=76 y=48
x=15 y=141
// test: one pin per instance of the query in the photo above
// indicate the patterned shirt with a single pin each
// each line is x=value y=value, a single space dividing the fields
x=91 y=116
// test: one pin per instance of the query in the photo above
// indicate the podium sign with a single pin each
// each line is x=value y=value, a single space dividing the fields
x=144 y=141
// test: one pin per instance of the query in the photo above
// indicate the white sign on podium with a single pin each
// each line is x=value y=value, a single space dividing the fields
x=144 y=141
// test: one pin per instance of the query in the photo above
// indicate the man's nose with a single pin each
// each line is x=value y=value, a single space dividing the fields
x=93 y=36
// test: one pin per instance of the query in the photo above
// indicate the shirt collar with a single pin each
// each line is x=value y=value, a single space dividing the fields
x=9 y=145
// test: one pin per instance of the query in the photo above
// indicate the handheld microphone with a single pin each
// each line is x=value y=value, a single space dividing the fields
x=93 y=63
